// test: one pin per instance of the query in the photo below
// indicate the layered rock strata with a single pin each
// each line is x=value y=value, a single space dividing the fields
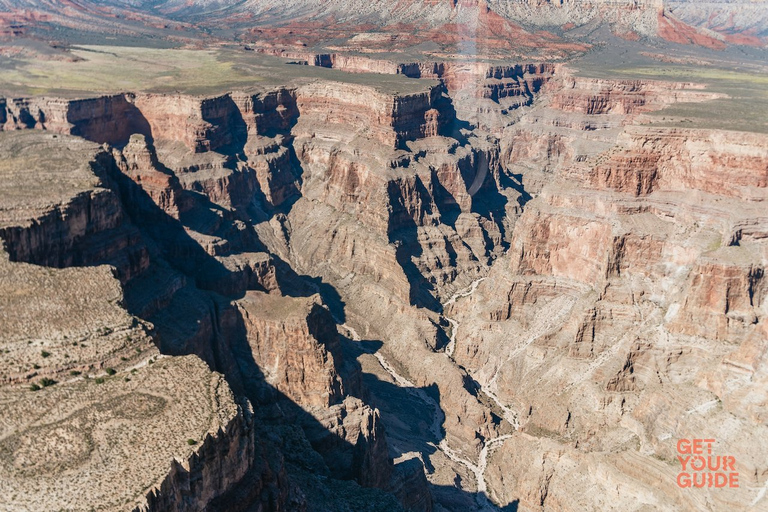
x=628 y=292
x=234 y=464
x=267 y=218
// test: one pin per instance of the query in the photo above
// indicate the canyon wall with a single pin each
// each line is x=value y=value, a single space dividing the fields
x=124 y=211
x=626 y=286
x=276 y=234
x=109 y=119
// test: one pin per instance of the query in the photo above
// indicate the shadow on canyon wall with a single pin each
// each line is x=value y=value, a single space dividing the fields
x=199 y=319
x=188 y=294
x=225 y=347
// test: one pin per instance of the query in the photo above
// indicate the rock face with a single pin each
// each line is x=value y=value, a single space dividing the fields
x=623 y=97
x=105 y=119
x=237 y=463
x=215 y=472
x=626 y=286
x=391 y=120
x=295 y=343
x=722 y=163
x=403 y=296
x=81 y=222
x=106 y=389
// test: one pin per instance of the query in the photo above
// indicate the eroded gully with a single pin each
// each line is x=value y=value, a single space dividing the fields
x=478 y=469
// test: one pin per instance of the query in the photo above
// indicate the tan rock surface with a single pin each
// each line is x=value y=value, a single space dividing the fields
x=555 y=288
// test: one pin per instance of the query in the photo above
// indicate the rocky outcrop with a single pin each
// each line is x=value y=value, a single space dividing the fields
x=200 y=123
x=229 y=471
x=138 y=161
x=596 y=96
x=351 y=438
x=724 y=163
x=391 y=120
x=411 y=487
x=726 y=295
x=111 y=119
x=295 y=344
x=81 y=224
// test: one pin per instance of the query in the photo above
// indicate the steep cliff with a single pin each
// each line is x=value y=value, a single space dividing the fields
x=278 y=234
x=628 y=290
x=238 y=464
x=80 y=223
x=103 y=119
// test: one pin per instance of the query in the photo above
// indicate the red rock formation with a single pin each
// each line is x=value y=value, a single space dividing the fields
x=295 y=344
x=202 y=124
x=676 y=31
x=724 y=163
x=138 y=161
x=724 y=297
x=390 y=119
x=109 y=119
x=596 y=96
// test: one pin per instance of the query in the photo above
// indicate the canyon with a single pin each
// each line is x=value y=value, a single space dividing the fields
x=355 y=276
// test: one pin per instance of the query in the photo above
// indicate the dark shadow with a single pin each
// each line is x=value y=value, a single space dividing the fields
x=515 y=182
x=190 y=319
x=512 y=507
x=121 y=120
x=403 y=234
x=456 y=499
x=409 y=418
x=446 y=203
x=228 y=132
x=456 y=128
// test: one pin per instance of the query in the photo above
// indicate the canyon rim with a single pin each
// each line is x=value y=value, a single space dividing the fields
x=415 y=255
